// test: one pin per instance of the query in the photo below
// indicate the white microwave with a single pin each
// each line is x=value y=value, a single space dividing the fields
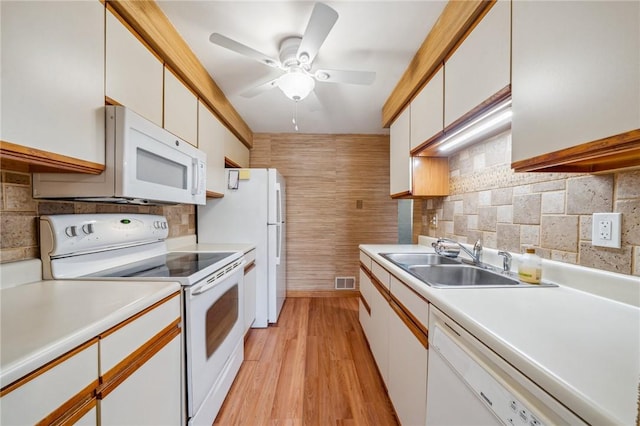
x=144 y=164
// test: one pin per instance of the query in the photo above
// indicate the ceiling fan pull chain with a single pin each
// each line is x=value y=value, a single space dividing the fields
x=295 y=116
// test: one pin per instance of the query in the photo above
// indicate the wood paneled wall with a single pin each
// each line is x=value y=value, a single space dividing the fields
x=328 y=177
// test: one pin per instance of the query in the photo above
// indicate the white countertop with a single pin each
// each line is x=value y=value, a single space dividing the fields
x=582 y=349
x=42 y=320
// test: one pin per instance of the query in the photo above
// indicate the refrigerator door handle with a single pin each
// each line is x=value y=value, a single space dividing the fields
x=278 y=204
x=278 y=244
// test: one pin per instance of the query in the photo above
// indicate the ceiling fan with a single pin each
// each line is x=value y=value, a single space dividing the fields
x=296 y=55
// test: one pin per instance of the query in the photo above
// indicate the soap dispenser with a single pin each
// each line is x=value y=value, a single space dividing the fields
x=530 y=267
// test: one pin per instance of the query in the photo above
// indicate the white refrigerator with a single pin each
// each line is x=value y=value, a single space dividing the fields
x=253 y=211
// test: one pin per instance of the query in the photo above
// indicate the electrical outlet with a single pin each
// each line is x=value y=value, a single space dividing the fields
x=606 y=230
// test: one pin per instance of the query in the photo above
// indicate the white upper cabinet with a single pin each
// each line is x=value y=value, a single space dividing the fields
x=481 y=66
x=576 y=73
x=211 y=134
x=400 y=159
x=235 y=150
x=53 y=77
x=427 y=110
x=133 y=74
x=180 y=109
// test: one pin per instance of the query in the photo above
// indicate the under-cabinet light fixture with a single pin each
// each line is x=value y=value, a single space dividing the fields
x=492 y=120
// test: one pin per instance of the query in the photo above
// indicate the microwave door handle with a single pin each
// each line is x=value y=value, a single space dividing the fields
x=209 y=285
x=197 y=178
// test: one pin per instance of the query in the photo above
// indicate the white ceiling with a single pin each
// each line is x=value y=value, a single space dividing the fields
x=380 y=36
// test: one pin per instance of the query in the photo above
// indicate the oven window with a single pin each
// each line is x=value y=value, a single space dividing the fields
x=221 y=317
x=156 y=169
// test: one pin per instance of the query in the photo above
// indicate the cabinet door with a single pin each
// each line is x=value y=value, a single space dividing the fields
x=481 y=65
x=364 y=314
x=400 y=159
x=379 y=332
x=211 y=141
x=47 y=391
x=180 y=109
x=249 y=297
x=427 y=110
x=133 y=74
x=576 y=73
x=151 y=395
x=407 y=383
x=52 y=81
x=235 y=150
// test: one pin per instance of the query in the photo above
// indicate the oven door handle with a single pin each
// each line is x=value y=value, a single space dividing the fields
x=209 y=285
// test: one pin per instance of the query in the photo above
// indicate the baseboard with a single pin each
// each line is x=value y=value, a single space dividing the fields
x=323 y=293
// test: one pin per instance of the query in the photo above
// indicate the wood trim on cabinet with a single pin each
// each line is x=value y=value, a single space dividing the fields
x=230 y=164
x=403 y=194
x=74 y=408
x=614 y=152
x=381 y=288
x=415 y=330
x=212 y=194
x=48 y=366
x=111 y=379
x=365 y=269
x=249 y=266
x=138 y=315
x=133 y=31
x=21 y=158
x=322 y=293
x=152 y=25
x=365 y=304
x=429 y=148
x=430 y=176
x=423 y=328
x=453 y=24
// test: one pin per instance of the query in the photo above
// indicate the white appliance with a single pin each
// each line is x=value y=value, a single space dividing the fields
x=144 y=164
x=253 y=210
x=132 y=247
x=471 y=385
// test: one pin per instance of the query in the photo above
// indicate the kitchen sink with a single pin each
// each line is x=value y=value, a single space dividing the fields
x=444 y=272
x=460 y=276
x=409 y=259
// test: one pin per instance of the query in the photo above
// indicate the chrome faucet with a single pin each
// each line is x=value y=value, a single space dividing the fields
x=476 y=254
x=506 y=262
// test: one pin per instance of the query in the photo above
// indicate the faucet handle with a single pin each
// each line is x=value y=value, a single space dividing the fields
x=506 y=262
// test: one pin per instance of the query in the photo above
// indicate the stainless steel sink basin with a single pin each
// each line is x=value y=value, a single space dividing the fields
x=462 y=276
x=410 y=259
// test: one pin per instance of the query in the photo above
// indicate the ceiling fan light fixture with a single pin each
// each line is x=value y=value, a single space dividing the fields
x=296 y=85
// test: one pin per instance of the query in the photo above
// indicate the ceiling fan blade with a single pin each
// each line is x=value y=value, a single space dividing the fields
x=322 y=20
x=255 y=91
x=349 y=77
x=242 y=49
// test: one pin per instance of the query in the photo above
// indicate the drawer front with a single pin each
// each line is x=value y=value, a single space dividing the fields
x=48 y=388
x=381 y=274
x=411 y=302
x=366 y=260
x=119 y=342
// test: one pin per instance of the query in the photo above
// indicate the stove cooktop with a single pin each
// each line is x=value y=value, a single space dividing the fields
x=168 y=265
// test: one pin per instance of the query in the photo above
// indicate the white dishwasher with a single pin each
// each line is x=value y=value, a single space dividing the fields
x=468 y=384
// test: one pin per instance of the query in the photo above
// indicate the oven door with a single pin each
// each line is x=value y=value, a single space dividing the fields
x=214 y=326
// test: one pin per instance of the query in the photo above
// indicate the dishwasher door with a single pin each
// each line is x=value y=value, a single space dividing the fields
x=469 y=384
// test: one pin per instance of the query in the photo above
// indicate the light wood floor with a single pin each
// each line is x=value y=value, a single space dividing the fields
x=313 y=368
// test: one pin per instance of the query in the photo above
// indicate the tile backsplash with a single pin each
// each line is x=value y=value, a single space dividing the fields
x=549 y=211
x=19 y=213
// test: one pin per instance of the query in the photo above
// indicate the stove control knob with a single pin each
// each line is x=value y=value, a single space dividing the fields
x=87 y=228
x=71 y=231
x=164 y=225
x=156 y=224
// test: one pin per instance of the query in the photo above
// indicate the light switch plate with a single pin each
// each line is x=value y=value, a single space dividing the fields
x=606 y=230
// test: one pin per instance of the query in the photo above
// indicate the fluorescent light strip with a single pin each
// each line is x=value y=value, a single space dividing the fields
x=492 y=119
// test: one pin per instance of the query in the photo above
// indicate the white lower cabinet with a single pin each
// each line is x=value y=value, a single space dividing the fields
x=140 y=369
x=395 y=327
x=61 y=389
x=149 y=396
x=250 y=290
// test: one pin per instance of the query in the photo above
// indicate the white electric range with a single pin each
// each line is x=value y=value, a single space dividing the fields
x=132 y=247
